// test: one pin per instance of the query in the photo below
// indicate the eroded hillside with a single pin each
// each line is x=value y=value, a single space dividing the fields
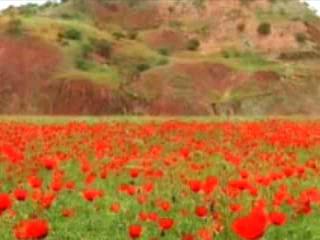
x=200 y=57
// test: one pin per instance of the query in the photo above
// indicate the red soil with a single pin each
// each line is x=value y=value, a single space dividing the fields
x=25 y=63
x=80 y=96
x=124 y=15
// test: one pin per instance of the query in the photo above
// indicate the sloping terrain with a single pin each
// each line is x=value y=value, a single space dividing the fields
x=179 y=57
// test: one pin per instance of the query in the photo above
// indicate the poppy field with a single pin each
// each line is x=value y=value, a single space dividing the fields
x=184 y=180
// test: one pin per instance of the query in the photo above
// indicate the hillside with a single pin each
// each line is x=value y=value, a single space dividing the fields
x=179 y=57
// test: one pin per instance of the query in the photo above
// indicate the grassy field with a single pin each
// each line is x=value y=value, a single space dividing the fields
x=159 y=178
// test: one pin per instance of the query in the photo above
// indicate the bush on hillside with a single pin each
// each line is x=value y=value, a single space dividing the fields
x=15 y=27
x=66 y=16
x=132 y=35
x=175 y=24
x=86 y=49
x=230 y=53
x=143 y=67
x=163 y=61
x=301 y=37
x=164 y=51
x=193 y=44
x=83 y=64
x=102 y=47
x=246 y=2
x=118 y=35
x=29 y=9
x=72 y=34
x=264 y=28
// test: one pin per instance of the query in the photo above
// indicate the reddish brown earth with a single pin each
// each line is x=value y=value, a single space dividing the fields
x=266 y=79
x=25 y=64
x=124 y=15
x=80 y=96
x=166 y=39
x=185 y=88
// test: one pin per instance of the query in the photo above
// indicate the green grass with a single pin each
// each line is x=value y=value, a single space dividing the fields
x=132 y=54
x=247 y=61
x=45 y=119
x=52 y=25
x=104 y=75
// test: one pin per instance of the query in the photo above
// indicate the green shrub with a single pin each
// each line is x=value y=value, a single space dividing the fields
x=163 y=61
x=142 y=67
x=193 y=44
x=164 y=51
x=301 y=37
x=132 y=35
x=15 y=27
x=66 y=16
x=86 y=49
x=198 y=3
x=230 y=53
x=175 y=24
x=28 y=10
x=118 y=35
x=83 y=64
x=102 y=47
x=72 y=34
x=264 y=28
x=246 y=2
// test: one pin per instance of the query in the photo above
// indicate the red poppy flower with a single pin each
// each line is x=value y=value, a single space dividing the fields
x=277 y=218
x=90 y=178
x=115 y=207
x=188 y=237
x=201 y=211
x=164 y=205
x=148 y=187
x=35 y=182
x=135 y=231
x=205 y=234
x=49 y=164
x=195 y=185
x=210 y=184
x=5 y=202
x=20 y=194
x=47 y=200
x=153 y=216
x=32 y=229
x=244 y=174
x=252 y=226
x=143 y=216
x=57 y=185
x=166 y=223
x=134 y=173
x=70 y=185
x=92 y=194
x=69 y=212
x=235 y=208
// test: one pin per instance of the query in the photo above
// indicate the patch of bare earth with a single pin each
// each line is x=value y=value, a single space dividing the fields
x=166 y=39
x=25 y=64
x=124 y=15
x=184 y=88
x=80 y=97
